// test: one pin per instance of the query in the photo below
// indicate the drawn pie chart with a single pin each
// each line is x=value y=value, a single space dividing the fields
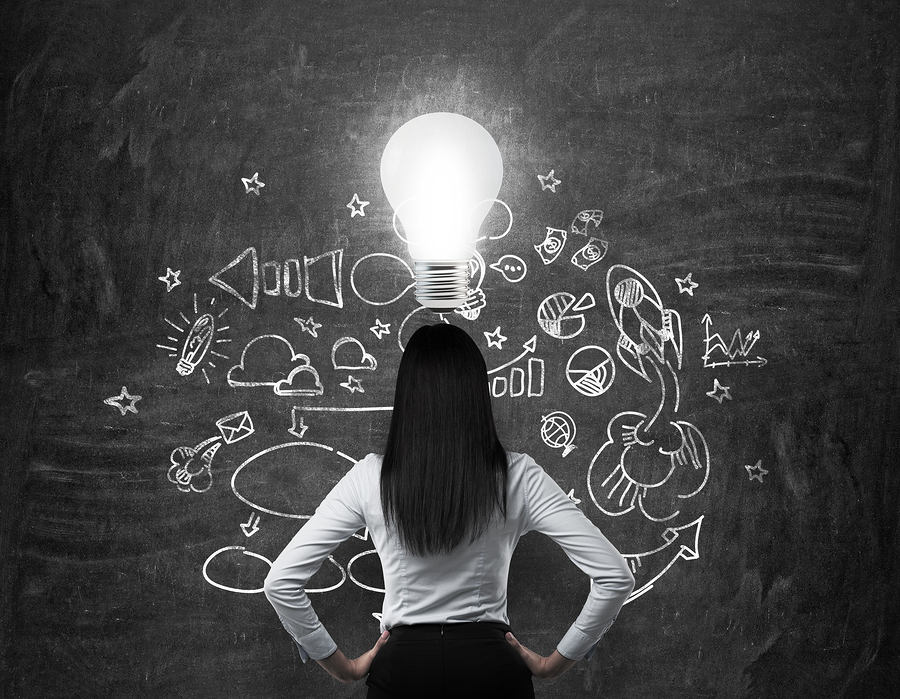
x=591 y=371
x=559 y=315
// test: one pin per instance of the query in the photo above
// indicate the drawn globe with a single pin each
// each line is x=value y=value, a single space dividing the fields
x=557 y=430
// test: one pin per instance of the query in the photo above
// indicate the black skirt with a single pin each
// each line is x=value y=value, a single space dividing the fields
x=449 y=660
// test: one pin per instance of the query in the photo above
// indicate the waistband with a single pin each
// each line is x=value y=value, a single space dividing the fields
x=475 y=629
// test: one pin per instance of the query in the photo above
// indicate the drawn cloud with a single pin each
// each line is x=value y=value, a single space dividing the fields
x=265 y=359
x=349 y=353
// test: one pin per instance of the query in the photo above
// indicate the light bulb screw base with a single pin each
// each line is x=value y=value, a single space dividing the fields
x=442 y=286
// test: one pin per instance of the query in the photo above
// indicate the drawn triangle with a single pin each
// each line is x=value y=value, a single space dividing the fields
x=218 y=281
x=584 y=303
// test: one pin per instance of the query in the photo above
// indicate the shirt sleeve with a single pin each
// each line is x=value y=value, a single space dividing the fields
x=551 y=512
x=338 y=516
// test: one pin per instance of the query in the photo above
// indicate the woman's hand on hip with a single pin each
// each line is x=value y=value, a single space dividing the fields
x=344 y=669
x=545 y=668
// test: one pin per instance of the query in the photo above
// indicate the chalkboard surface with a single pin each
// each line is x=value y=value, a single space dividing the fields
x=686 y=298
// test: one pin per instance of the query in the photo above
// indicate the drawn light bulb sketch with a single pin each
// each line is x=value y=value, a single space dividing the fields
x=554 y=242
x=470 y=309
x=200 y=338
x=558 y=431
x=629 y=472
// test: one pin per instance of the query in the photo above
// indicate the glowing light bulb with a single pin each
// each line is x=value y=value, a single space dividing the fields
x=441 y=173
x=196 y=344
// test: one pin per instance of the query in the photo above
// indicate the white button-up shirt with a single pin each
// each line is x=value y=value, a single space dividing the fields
x=467 y=585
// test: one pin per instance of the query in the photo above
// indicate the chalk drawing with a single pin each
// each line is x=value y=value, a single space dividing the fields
x=662 y=558
x=717 y=353
x=719 y=392
x=250 y=255
x=353 y=385
x=508 y=211
x=591 y=371
x=559 y=315
x=331 y=293
x=514 y=383
x=756 y=471
x=512 y=267
x=251 y=526
x=548 y=181
x=252 y=185
x=332 y=409
x=273 y=288
x=252 y=371
x=198 y=342
x=349 y=353
x=586 y=222
x=300 y=463
x=298 y=427
x=357 y=207
x=475 y=298
x=592 y=252
x=628 y=472
x=554 y=242
x=190 y=473
x=558 y=431
x=495 y=339
x=380 y=329
x=235 y=427
x=308 y=325
x=686 y=285
x=227 y=551
x=571 y=495
x=374 y=270
x=353 y=577
x=292 y=272
x=170 y=279
x=125 y=402
x=645 y=327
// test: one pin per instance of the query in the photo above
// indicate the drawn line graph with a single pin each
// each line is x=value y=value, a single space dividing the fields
x=740 y=346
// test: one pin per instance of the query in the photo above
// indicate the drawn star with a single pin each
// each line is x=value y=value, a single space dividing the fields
x=309 y=325
x=757 y=467
x=495 y=339
x=353 y=385
x=686 y=285
x=719 y=392
x=548 y=181
x=571 y=496
x=381 y=329
x=170 y=278
x=357 y=207
x=119 y=401
x=252 y=184
x=298 y=429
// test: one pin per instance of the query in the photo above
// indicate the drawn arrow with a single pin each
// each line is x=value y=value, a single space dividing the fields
x=529 y=349
x=687 y=550
x=250 y=527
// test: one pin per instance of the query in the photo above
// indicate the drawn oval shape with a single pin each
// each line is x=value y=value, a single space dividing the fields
x=376 y=276
x=234 y=569
x=289 y=480
x=365 y=570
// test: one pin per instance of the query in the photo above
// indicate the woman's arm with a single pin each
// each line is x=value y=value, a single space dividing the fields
x=552 y=513
x=342 y=668
x=336 y=519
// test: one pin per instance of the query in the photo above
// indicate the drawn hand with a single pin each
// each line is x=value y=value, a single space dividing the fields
x=342 y=668
x=544 y=668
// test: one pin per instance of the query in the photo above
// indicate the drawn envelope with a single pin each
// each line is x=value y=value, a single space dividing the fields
x=235 y=427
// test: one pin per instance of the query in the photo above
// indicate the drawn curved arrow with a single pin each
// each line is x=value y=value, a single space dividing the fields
x=688 y=550
x=528 y=348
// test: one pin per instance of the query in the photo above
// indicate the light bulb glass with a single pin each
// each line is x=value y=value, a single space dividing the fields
x=441 y=173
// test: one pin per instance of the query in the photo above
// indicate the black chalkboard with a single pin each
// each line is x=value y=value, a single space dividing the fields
x=686 y=301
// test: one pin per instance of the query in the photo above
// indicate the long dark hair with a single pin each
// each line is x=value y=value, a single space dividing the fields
x=443 y=477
